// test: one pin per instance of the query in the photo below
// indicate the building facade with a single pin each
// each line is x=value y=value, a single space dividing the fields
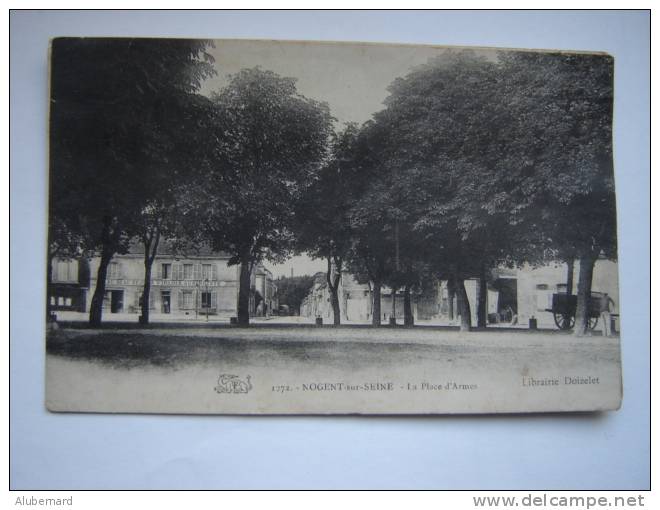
x=182 y=286
x=69 y=285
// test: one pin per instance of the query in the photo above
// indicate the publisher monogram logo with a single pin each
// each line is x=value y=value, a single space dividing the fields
x=230 y=383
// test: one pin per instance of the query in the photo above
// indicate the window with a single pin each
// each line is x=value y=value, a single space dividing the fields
x=166 y=271
x=52 y=301
x=114 y=270
x=207 y=271
x=62 y=271
x=187 y=299
x=67 y=301
x=206 y=300
x=561 y=288
x=187 y=271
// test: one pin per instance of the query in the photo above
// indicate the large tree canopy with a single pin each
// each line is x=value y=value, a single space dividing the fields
x=498 y=161
x=475 y=161
x=560 y=156
x=323 y=223
x=273 y=143
x=117 y=110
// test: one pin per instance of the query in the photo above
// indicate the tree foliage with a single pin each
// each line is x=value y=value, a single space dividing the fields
x=273 y=141
x=490 y=162
x=475 y=161
x=117 y=108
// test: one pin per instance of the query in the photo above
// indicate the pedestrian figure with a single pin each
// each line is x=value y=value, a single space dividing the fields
x=605 y=313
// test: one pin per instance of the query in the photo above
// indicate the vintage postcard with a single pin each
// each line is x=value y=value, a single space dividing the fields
x=278 y=227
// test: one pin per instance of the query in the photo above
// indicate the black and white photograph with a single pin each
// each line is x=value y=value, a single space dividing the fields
x=304 y=227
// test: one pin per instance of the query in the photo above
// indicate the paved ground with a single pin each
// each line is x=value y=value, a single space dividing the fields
x=201 y=319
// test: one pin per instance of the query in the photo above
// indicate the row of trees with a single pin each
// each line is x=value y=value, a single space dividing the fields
x=138 y=153
x=473 y=163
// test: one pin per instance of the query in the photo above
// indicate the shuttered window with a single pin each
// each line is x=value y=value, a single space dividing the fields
x=177 y=271
x=164 y=271
x=186 y=301
x=114 y=270
x=209 y=300
x=187 y=271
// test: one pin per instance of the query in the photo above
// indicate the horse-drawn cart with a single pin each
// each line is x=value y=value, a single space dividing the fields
x=565 y=305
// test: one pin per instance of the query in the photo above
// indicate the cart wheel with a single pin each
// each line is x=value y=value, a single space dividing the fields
x=564 y=321
x=593 y=322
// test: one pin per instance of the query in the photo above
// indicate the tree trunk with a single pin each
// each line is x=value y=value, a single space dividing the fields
x=408 y=319
x=336 y=310
x=244 y=292
x=375 y=316
x=96 y=308
x=150 y=251
x=146 y=291
x=463 y=306
x=569 y=276
x=585 y=278
x=482 y=299
x=370 y=310
x=451 y=294
x=333 y=285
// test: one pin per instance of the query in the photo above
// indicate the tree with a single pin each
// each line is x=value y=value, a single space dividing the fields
x=561 y=156
x=371 y=254
x=323 y=227
x=511 y=159
x=181 y=154
x=441 y=137
x=110 y=100
x=274 y=141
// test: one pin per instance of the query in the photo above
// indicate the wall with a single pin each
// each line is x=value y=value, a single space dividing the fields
x=130 y=279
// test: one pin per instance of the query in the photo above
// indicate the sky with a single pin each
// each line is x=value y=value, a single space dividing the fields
x=352 y=78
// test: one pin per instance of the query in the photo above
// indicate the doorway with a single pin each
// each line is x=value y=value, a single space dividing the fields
x=166 y=301
x=116 y=301
x=507 y=302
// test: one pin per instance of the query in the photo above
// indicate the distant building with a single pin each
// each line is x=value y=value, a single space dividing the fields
x=355 y=300
x=265 y=293
x=527 y=292
x=513 y=296
x=189 y=285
